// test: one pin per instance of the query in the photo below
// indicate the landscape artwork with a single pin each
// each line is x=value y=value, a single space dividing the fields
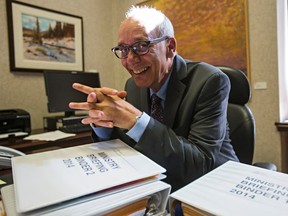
x=47 y=39
x=44 y=39
x=214 y=31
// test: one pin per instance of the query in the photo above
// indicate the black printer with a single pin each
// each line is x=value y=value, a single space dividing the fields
x=14 y=122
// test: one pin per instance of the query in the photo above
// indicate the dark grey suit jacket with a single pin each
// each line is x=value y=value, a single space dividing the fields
x=195 y=139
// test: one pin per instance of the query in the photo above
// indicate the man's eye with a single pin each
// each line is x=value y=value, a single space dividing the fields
x=123 y=49
x=140 y=46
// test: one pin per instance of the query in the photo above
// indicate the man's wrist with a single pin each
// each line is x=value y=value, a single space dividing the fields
x=139 y=127
x=138 y=117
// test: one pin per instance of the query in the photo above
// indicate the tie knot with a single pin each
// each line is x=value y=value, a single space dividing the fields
x=155 y=99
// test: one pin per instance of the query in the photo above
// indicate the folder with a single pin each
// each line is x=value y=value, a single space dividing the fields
x=233 y=189
x=151 y=197
x=79 y=173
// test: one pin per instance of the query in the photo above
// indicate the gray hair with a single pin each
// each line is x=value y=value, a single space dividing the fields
x=152 y=19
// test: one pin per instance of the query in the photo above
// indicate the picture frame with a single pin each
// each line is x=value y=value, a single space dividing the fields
x=43 y=39
x=216 y=33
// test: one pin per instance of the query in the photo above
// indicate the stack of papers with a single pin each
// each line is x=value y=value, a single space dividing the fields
x=82 y=176
x=235 y=189
x=49 y=136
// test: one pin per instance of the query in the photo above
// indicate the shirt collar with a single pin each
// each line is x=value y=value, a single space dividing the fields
x=162 y=91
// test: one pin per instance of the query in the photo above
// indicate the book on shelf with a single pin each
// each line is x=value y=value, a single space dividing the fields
x=81 y=174
x=233 y=189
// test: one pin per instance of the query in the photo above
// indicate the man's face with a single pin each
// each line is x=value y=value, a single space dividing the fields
x=149 y=70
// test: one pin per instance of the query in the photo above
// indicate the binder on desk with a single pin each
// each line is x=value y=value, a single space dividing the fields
x=151 y=197
x=78 y=174
x=233 y=189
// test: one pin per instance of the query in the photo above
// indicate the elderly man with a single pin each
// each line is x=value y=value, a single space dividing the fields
x=186 y=129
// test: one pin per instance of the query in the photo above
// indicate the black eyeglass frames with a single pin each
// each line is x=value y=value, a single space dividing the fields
x=139 y=47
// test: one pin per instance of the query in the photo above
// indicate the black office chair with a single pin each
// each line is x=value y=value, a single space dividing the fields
x=240 y=118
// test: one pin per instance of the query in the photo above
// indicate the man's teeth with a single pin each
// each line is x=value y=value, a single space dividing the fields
x=139 y=71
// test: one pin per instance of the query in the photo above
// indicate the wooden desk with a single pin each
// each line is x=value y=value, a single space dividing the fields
x=283 y=129
x=32 y=146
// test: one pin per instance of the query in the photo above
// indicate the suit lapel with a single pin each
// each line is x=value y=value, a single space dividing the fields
x=145 y=100
x=175 y=90
x=173 y=100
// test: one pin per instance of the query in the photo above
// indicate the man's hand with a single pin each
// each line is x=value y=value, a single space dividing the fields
x=100 y=91
x=106 y=106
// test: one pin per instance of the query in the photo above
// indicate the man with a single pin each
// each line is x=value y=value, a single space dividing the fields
x=193 y=136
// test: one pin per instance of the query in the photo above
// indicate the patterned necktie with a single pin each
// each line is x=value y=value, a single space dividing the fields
x=157 y=111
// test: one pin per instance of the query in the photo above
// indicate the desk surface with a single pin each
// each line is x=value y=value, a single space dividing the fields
x=282 y=127
x=33 y=146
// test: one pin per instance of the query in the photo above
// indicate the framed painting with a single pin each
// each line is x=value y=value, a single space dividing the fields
x=214 y=31
x=43 y=39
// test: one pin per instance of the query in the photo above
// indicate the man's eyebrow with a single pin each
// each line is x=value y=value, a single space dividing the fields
x=135 y=41
x=122 y=45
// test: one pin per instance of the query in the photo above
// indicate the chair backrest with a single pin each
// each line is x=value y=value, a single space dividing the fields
x=240 y=117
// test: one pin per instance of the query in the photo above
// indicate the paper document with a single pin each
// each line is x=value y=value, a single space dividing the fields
x=236 y=189
x=47 y=178
x=2 y=182
x=49 y=136
x=158 y=191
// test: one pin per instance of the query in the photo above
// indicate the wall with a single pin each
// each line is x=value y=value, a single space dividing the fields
x=101 y=20
x=264 y=67
x=26 y=90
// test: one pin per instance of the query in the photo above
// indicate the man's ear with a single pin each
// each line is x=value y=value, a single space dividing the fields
x=171 y=47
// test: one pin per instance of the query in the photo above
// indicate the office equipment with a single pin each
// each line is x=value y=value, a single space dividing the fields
x=62 y=122
x=240 y=118
x=235 y=189
x=75 y=128
x=155 y=195
x=59 y=91
x=70 y=173
x=14 y=122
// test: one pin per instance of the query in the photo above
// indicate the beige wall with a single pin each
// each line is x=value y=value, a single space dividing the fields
x=263 y=64
x=101 y=20
x=26 y=90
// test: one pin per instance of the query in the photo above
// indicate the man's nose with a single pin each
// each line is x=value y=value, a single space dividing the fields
x=132 y=55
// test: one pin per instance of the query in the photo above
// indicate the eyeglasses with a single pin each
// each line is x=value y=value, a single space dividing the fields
x=139 y=48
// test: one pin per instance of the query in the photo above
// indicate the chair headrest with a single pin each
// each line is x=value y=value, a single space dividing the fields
x=240 y=92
